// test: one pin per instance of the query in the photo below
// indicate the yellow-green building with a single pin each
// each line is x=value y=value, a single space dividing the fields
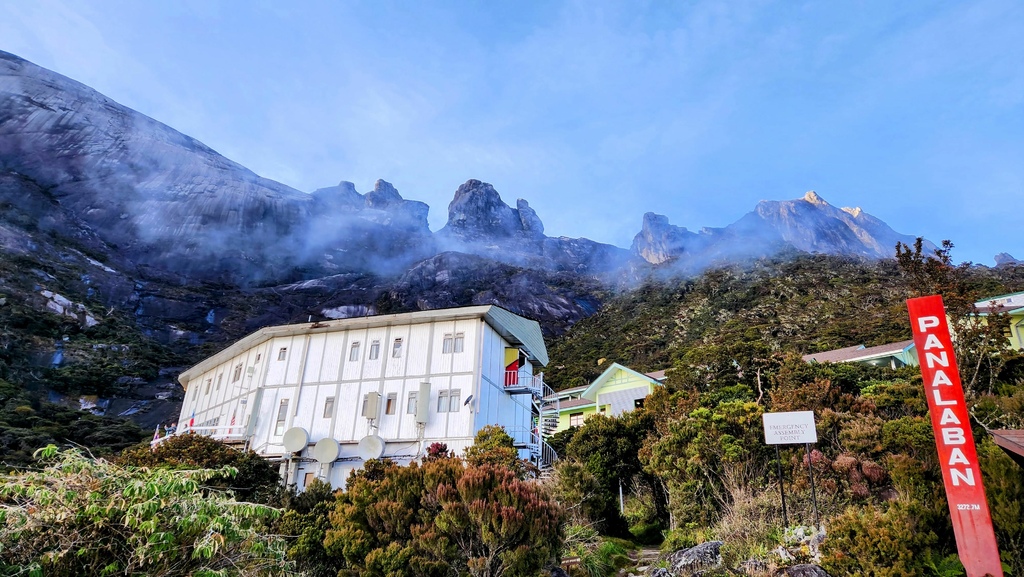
x=1012 y=305
x=617 y=390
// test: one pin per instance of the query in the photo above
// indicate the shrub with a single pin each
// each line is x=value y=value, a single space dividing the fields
x=84 y=516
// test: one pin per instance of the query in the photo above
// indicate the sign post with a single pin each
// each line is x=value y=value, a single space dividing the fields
x=792 y=428
x=958 y=456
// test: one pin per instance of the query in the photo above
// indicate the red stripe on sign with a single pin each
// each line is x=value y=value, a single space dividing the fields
x=958 y=456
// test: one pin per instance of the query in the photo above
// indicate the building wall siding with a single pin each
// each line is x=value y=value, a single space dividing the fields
x=316 y=366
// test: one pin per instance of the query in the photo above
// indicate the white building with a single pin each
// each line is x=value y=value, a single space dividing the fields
x=323 y=397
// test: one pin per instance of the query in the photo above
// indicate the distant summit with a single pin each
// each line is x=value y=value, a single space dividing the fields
x=1006 y=259
x=809 y=224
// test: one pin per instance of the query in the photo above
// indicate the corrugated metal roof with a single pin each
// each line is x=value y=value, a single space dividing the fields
x=566 y=392
x=516 y=329
x=1011 y=310
x=574 y=403
x=1011 y=441
x=858 y=353
x=521 y=329
x=657 y=375
x=1012 y=297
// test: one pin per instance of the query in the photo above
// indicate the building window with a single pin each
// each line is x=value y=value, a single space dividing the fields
x=410 y=405
x=353 y=354
x=282 y=353
x=638 y=403
x=453 y=343
x=396 y=349
x=206 y=391
x=329 y=407
x=259 y=356
x=307 y=479
x=448 y=401
x=282 y=413
x=220 y=379
x=374 y=350
x=238 y=373
x=391 y=404
x=576 y=420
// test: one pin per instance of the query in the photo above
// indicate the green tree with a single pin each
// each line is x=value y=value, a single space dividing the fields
x=306 y=522
x=707 y=456
x=441 y=518
x=1004 y=487
x=85 y=516
x=255 y=478
x=608 y=448
x=889 y=541
x=500 y=525
x=494 y=446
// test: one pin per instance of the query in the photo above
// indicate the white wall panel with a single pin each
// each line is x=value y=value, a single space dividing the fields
x=330 y=369
x=417 y=350
x=314 y=358
x=296 y=359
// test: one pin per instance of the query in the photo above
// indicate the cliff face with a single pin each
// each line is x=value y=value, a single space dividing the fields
x=167 y=201
x=808 y=224
x=480 y=223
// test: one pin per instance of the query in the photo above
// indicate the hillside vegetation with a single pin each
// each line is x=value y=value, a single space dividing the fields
x=794 y=303
x=694 y=463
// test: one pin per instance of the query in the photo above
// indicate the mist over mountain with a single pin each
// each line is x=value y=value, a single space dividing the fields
x=83 y=166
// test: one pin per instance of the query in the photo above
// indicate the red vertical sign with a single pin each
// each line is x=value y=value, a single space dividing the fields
x=972 y=522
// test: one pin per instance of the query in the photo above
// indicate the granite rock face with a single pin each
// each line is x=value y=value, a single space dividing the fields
x=808 y=224
x=659 y=242
x=480 y=223
x=813 y=225
x=167 y=201
x=1006 y=259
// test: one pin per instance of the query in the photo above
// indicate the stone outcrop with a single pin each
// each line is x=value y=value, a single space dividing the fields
x=687 y=562
x=659 y=242
x=808 y=224
x=480 y=223
x=1006 y=259
x=813 y=225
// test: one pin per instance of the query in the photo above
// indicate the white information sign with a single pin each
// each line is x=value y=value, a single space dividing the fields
x=789 y=428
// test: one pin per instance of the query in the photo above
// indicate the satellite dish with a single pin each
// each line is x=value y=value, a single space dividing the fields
x=326 y=450
x=371 y=447
x=295 y=439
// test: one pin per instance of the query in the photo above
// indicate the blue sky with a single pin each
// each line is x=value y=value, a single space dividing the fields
x=595 y=112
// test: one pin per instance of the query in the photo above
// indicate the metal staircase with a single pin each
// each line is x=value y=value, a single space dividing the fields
x=545 y=410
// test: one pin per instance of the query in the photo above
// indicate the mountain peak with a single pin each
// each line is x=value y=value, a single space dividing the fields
x=854 y=212
x=383 y=194
x=813 y=198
